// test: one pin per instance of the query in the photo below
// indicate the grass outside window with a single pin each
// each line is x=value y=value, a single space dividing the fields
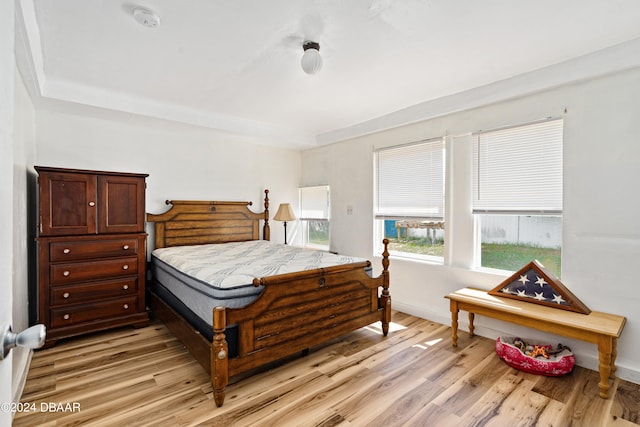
x=494 y=255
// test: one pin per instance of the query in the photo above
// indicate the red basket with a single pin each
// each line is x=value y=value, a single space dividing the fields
x=557 y=364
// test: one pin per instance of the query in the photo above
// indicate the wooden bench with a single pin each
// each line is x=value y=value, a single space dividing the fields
x=600 y=328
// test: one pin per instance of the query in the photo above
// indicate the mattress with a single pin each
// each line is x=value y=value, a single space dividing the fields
x=203 y=277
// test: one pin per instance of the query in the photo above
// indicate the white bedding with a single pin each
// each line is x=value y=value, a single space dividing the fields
x=229 y=265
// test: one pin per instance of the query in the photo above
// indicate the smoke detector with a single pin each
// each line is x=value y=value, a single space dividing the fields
x=146 y=17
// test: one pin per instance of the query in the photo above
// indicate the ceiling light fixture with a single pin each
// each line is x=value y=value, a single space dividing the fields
x=311 y=60
x=146 y=17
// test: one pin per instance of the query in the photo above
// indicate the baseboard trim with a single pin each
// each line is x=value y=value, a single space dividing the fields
x=21 y=362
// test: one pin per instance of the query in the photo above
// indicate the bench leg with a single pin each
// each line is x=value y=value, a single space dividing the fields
x=454 y=322
x=471 y=317
x=614 y=355
x=605 y=350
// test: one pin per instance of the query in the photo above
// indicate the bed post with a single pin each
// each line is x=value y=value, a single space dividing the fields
x=385 y=298
x=266 y=230
x=219 y=356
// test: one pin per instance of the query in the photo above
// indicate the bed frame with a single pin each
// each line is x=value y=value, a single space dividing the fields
x=295 y=311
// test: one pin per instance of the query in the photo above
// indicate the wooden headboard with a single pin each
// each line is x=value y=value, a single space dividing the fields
x=196 y=222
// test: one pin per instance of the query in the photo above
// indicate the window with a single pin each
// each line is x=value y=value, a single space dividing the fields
x=409 y=208
x=314 y=214
x=517 y=196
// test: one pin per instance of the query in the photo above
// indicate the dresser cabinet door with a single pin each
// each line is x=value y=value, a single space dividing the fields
x=121 y=208
x=68 y=203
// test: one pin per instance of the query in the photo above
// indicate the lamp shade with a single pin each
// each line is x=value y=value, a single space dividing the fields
x=285 y=213
x=311 y=60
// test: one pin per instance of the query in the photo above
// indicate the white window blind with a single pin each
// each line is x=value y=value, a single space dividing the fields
x=519 y=169
x=314 y=202
x=410 y=181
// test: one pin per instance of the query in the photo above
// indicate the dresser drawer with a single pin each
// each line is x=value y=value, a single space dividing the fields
x=76 y=250
x=72 y=294
x=80 y=271
x=67 y=316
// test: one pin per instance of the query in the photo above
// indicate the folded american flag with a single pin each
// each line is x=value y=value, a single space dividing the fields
x=532 y=283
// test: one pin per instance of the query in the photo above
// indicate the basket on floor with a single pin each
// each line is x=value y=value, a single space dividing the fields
x=535 y=359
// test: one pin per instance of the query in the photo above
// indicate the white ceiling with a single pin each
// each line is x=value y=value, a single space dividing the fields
x=234 y=65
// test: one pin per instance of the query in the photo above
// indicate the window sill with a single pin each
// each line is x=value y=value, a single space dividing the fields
x=492 y=271
x=423 y=259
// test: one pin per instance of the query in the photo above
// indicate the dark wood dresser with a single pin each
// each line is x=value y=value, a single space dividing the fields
x=91 y=251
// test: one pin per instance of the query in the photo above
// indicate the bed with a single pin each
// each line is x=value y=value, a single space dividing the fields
x=270 y=318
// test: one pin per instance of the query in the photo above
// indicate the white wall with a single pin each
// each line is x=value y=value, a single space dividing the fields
x=183 y=162
x=24 y=266
x=23 y=201
x=601 y=235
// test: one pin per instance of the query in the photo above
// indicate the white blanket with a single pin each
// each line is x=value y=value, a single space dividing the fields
x=227 y=265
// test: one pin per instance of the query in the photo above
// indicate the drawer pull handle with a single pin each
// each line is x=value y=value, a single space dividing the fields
x=125 y=287
x=125 y=247
x=125 y=267
x=66 y=251
x=66 y=317
x=92 y=204
x=126 y=306
x=65 y=273
x=65 y=295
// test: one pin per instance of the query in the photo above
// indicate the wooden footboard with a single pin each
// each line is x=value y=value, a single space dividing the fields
x=295 y=312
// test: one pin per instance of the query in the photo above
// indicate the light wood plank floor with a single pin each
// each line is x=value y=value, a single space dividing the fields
x=414 y=377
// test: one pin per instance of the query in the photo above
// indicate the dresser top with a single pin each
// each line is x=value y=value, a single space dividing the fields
x=85 y=171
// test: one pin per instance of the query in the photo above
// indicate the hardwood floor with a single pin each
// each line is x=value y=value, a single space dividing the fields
x=414 y=377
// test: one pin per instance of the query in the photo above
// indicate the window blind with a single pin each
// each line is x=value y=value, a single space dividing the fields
x=519 y=169
x=410 y=181
x=314 y=202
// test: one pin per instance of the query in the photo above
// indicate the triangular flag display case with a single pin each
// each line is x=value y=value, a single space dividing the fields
x=532 y=283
